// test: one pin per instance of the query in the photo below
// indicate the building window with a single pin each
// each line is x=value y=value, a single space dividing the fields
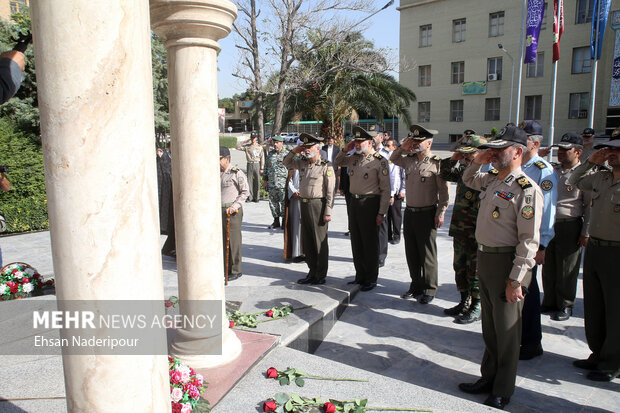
x=535 y=69
x=496 y=24
x=578 y=105
x=424 y=112
x=458 y=30
x=584 y=11
x=491 y=109
x=581 y=60
x=532 y=107
x=457 y=72
x=426 y=33
x=425 y=76
x=454 y=137
x=456 y=111
x=17 y=6
x=494 y=68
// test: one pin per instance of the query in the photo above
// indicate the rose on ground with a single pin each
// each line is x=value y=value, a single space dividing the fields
x=168 y=304
x=199 y=379
x=187 y=408
x=176 y=407
x=270 y=406
x=2 y=288
x=175 y=377
x=176 y=394
x=14 y=289
x=231 y=324
x=25 y=280
x=272 y=373
x=269 y=313
x=27 y=287
x=329 y=408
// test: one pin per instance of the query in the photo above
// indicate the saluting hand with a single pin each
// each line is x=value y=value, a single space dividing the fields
x=483 y=157
x=599 y=156
x=298 y=149
x=544 y=151
x=457 y=156
x=407 y=144
x=349 y=146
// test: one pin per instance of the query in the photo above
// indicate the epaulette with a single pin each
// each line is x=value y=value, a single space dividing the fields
x=523 y=182
x=376 y=155
x=436 y=158
x=234 y=169
x=494 y=172
x=324 y=161
x=540 y=164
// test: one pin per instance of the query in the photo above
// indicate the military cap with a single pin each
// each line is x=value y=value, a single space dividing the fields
x=570 y=140
x=419 y=133
x=613 y=142
x=508 y=136
x=470 y=144
x=531 y=127
x=361 y=134
x=588 y=132
x=253 y=135
x=469 y=132
x=375 y=129
x=309 y=140
x=224 y=152
x=277 y=138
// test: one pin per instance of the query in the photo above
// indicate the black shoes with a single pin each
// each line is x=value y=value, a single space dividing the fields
x=275 y=224
x=381 y=264
x=426 y=299
x=318 y=282
x=497 y=401
x=528 y=353
x=307 y=280
x=601 y=376
x=233 y=277
x=353 y=282
x=481 y=386
x=300 y=258
x=586 y=364
x=368 y=287
x=460 y=308
x=562 y=315
x=409 y=295
x=348 y=233
x=394 y=241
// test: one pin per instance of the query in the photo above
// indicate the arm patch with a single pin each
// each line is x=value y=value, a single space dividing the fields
x=523 y=182
x=494 y=172
x=540 y=164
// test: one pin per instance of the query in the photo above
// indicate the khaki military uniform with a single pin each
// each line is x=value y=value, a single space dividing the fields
x=234 y=188
x=427 y=197
x=369 y=184
x=563 y=254
x=601 y=283
x=255 y=157
x=316 y=189
x=508 y=234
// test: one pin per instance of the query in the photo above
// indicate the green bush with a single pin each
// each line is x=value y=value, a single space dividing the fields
x=228 y=141
x=25 y=205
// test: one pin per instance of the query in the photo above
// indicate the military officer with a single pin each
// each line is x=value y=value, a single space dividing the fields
x=274 y=178
x=588 y=144
x=369 y=184
x=508 y=232
x=235 y=191
x=563 y=254
x=463 y=227
x=427 y=200
x=601 y=284
x=316 y=189
x=255 y=156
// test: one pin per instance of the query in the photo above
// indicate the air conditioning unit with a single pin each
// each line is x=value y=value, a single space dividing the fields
x=458 y=119
x=492 y=76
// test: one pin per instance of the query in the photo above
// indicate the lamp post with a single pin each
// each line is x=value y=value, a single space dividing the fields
x=512 y=79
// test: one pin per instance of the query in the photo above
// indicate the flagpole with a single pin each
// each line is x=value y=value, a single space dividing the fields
x=554 y=85
x=523 y=17
x=595 y=67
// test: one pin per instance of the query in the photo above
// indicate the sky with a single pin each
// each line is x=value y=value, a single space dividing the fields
x=382 y=29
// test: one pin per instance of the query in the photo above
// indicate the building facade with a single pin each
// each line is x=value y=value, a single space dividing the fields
x=457 y=55
x=9 y=7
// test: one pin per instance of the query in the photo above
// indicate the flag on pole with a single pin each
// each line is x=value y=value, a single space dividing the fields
x=558 y=29
x=599 y=21
x=535 y=11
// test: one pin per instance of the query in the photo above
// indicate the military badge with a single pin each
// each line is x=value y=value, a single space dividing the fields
x=569 y=188
x=546 y=185
x=527 y=212
x=385 y=171
x=468 y=195
x=528 y=199
x=509 y=179
x=505 y=195
x=366 y=175
x=350 y=172
x=422 y=179
x=329 y=172
x=495 y=213
x=416 y=132
x=617 y=208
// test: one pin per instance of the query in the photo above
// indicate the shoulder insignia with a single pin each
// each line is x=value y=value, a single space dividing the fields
x=411 y=155
x=377 y=155
x=436 y=158
x=324 y=161
x=234 y=169
x=546 y=185
x=540 y=164
x=329 y=172
x=527 y=212
x=494 y=172
x=524 y=183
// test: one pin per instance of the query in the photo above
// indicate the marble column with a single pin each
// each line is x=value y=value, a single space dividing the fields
x=191 y=30
x=95 y=88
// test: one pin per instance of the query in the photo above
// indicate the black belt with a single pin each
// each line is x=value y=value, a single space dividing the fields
x=603 y=243
x=356 y=196
x=421 y=209
x=496 y=250
x=253 y=161
x=305 y=200
x=571 y=219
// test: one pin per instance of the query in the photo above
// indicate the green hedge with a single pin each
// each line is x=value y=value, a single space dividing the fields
x=228 y=141
x=25 y=205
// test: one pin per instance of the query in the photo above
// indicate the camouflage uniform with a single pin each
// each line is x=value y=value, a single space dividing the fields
x=275 y=175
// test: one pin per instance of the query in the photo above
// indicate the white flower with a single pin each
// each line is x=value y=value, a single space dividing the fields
x=27 y=287
x=184 y=370
x=19 y=275
x=3 y=288
x=29 y=271
x=187 y=408
x=176 y=394
x=199 y=379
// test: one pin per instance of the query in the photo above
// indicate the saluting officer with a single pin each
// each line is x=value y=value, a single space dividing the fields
x=255 y=156
x=427 y=200
x=316 y=189
x=508 y=232
x=235 y=191
x=369 y=180
x=601 y=283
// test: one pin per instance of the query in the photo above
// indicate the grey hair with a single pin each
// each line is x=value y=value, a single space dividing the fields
x=535 y=138
x=523 y=147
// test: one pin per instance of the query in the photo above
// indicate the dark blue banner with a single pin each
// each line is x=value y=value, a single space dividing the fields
x=599 y=19
x=535 y=12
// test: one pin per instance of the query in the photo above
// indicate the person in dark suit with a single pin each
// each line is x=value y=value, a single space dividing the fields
x=331 y=151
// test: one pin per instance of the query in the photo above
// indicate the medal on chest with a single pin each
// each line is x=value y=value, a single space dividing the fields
x=366 y=175
x=569 y=188
x=495 y=213
x=468 y=195
x=617 y=208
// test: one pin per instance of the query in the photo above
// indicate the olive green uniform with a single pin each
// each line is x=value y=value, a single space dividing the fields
x=369 y=180
x=601 y=283
x=316 y=189
x=508 y=234
x=427 y=197
x=255 y=157
x=234 y=188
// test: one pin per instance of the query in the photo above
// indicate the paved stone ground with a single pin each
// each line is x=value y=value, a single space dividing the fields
x=380 y=333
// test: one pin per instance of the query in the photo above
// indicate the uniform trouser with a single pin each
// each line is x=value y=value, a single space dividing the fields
x=532 y=330
x=395 y=219
x=601 y=302
x=365 y=238
x=561 y=268
x=276 y=201
x=254 y=180
x=383 y=241
x=421 y=250
x=464 y=264
x=234 y=250
x=314 y=237
x=501 y=322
